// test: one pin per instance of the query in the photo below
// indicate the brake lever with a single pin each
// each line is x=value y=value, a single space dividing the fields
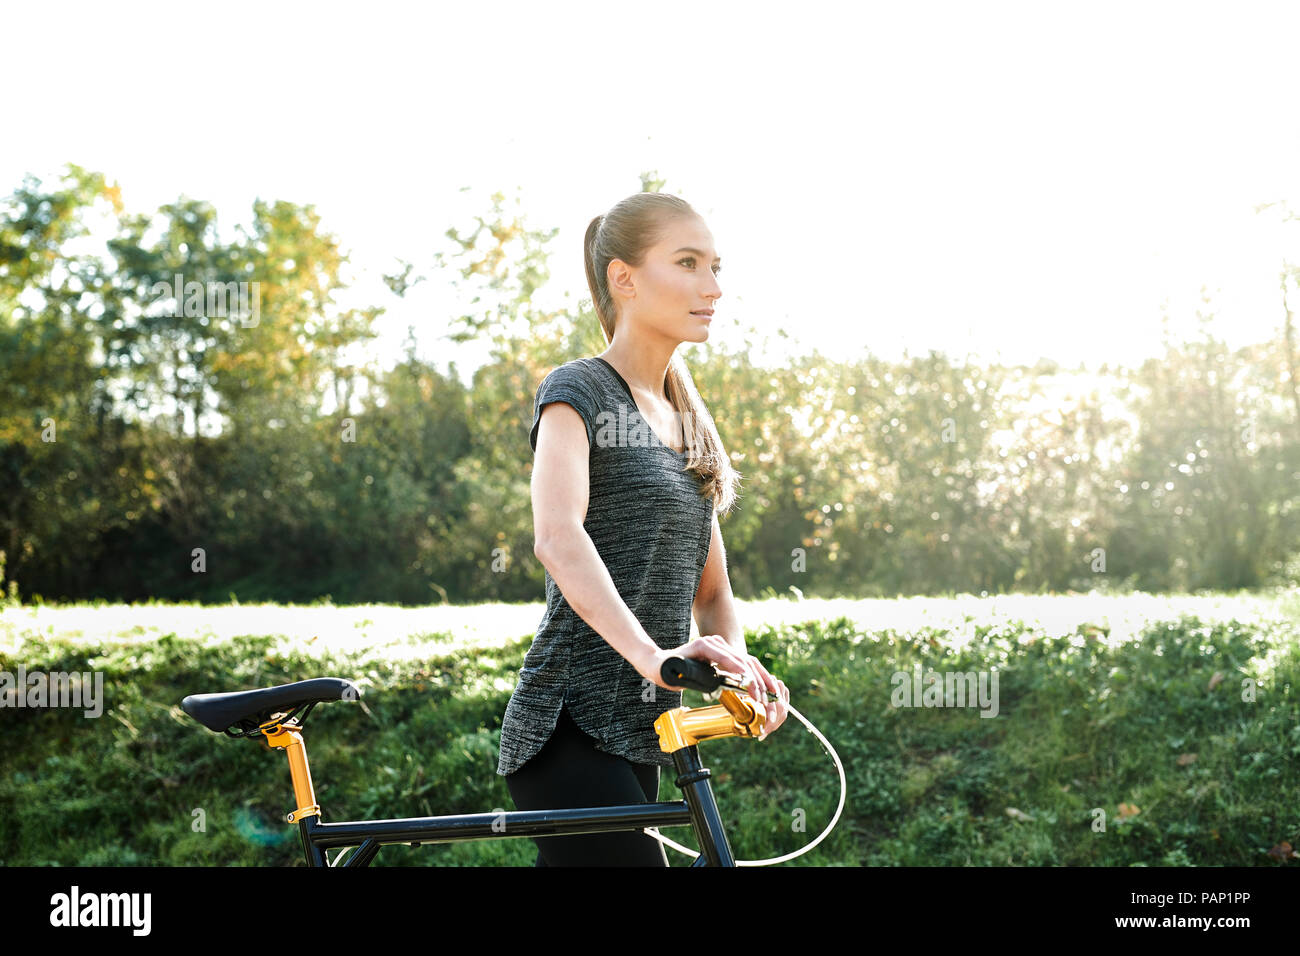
x=733 y=682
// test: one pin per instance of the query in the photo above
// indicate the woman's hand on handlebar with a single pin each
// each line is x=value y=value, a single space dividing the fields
x=753 y=675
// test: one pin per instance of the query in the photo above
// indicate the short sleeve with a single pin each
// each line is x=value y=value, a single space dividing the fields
x=566 y=384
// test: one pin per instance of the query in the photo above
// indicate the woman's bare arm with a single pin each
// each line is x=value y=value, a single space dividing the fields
x=560 y=494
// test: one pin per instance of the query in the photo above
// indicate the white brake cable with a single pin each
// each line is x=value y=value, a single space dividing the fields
x=654 y=831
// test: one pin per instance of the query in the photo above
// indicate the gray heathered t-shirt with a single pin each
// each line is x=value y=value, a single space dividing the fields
x=651 y=526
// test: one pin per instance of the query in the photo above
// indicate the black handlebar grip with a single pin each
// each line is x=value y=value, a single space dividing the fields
x=688 y=672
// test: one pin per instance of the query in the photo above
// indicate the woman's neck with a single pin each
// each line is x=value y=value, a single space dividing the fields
x=644 y=369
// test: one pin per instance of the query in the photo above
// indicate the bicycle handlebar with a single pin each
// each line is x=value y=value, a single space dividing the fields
x=688 y=672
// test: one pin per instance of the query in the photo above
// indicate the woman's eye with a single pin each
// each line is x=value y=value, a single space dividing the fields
x=691 y=260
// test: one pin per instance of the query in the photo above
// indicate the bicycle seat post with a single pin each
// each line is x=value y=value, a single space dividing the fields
x=289 y=738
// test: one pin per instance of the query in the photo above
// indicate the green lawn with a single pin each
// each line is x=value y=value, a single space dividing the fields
x=1132 y=711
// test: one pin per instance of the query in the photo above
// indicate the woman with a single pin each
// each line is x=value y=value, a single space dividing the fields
x=629 y=476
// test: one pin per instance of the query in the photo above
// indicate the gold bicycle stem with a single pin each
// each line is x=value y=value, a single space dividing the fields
x=735 y=716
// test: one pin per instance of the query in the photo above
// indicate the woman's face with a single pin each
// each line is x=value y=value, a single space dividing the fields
x=677 y=278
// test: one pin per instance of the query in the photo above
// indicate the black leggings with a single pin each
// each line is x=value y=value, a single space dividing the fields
x=570 y=772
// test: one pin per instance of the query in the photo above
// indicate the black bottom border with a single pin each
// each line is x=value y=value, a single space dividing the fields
x=975 y=903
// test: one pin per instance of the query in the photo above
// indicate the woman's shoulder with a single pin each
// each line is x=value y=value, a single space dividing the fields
x=584 y=372
x=587 y=366
x=582 y=384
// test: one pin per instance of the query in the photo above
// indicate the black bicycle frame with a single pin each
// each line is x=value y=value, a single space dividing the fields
x=276 y=714
x=698 y=809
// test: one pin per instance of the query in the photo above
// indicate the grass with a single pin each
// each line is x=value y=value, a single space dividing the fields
x=1174 y=743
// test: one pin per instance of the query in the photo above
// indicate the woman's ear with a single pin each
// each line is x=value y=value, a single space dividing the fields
x=619 y=278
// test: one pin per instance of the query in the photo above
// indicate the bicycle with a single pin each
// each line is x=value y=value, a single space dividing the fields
x=276 y=715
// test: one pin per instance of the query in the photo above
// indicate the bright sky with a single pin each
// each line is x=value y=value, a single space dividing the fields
x=1034 y=179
